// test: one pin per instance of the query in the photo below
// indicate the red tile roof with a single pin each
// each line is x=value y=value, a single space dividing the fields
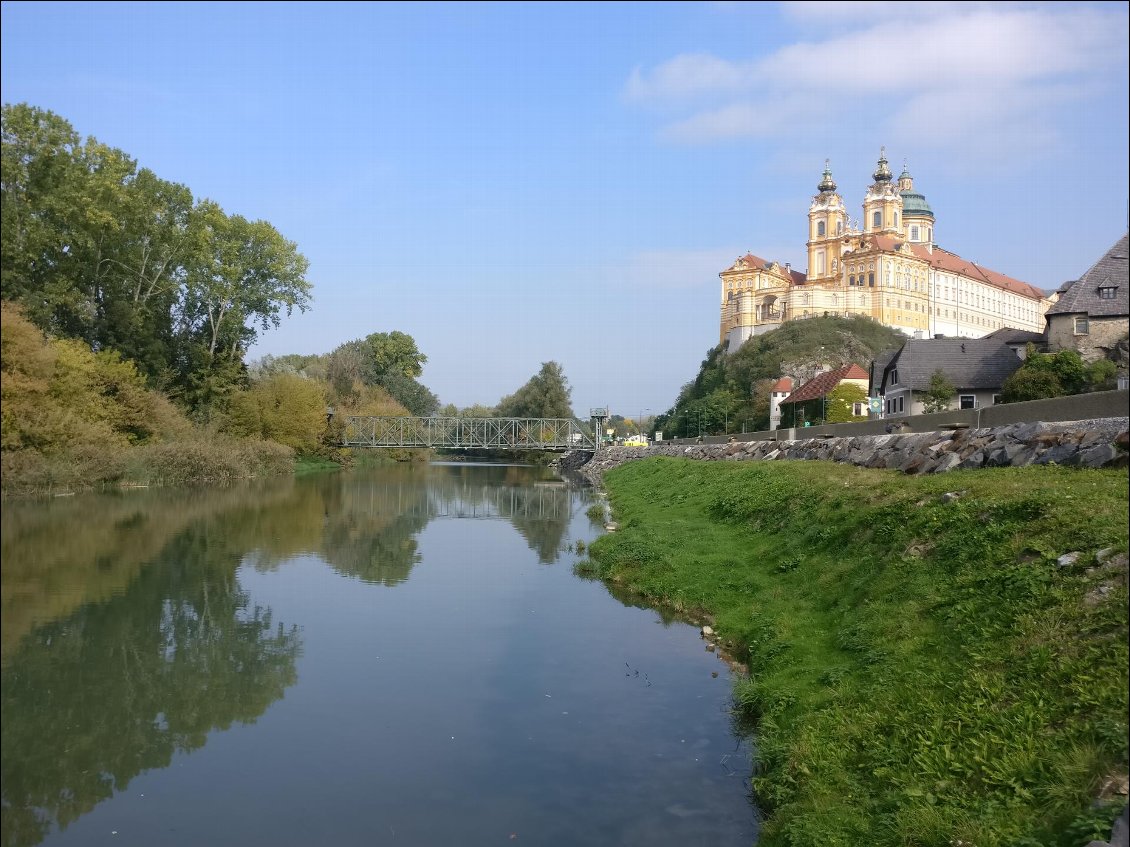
x=825 y=383
x=753 y=261
x=944 y=260
x=785 y=383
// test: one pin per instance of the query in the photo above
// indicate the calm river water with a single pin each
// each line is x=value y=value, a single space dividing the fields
x=400 y=656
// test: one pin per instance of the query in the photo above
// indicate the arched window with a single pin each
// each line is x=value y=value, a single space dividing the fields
x=820 y=229
x=839 y=227
x=877 y=219
x=851 y=280
x=871 y=280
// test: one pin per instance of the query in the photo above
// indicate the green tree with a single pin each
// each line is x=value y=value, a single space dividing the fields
x=284 y=407
x=1031 y=384
x=939 y=393
x=1051 y=375
x=546 y=395
x=841 y=401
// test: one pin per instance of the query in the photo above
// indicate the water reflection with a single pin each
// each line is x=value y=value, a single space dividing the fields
x=127 y=637
x=115 y=688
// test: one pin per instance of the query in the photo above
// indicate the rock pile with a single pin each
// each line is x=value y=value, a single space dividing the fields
x=1092 y=444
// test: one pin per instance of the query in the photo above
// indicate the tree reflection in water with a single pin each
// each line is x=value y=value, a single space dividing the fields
x=127 y=637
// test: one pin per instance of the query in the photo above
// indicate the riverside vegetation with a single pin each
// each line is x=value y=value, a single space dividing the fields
x=924 y=667
x=128 y=309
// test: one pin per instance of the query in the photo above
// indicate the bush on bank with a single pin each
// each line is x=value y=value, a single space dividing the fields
x=923 y=668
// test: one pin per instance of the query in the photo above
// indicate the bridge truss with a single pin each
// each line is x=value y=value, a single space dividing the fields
x=467 y=433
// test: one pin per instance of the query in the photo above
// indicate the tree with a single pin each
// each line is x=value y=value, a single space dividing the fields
x=939 y=393
x=1049 y=375
x=283 y=407
x=841 y=401
x=546 y=395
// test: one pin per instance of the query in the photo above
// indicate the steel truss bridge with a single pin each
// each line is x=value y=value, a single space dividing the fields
x=467 y=433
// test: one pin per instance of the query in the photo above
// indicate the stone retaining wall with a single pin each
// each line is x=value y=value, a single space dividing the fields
x=1092 y=444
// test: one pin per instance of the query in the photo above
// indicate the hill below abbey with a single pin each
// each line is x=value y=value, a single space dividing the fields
x=731 y=391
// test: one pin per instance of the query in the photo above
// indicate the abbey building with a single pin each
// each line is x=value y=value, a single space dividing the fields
x=889 y=269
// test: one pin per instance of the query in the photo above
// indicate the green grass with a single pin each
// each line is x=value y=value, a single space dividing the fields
x=921 y=672
x=314 y=464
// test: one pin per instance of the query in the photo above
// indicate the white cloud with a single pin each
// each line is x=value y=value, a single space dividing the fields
x=940 y=73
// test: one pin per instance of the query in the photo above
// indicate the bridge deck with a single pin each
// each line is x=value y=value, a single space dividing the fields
x=467 y=433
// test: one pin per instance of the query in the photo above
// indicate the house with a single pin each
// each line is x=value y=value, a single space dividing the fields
x=1019 y=339
x=976 y=367
x=1092 y=313
x=781 y=389
x=810 y=402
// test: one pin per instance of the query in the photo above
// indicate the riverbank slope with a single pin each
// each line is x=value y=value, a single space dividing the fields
x=933 y=660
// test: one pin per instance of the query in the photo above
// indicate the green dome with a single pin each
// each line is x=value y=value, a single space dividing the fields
x=914 y=205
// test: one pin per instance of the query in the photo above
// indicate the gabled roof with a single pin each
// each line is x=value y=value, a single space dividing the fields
x=1082 y=295
x=785 y=383
x=944 y=260
x=969 y=363
x=1012 y=335
x=756 y=262
x=825 y=383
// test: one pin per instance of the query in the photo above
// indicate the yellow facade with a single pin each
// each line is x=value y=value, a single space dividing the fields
x=888 y=268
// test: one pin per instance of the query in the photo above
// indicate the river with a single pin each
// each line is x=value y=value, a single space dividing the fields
x=400 y=655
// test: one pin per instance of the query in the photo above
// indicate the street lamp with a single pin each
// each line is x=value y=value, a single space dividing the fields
x=639 y=421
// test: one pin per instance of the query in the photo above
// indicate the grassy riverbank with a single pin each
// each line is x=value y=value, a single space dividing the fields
x=922 y=670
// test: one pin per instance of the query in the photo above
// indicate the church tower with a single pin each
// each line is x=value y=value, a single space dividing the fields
x=827 y=225
x=882 y=205
x=917 y=217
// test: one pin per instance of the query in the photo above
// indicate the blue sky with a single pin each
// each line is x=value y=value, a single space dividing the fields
x=517 y=183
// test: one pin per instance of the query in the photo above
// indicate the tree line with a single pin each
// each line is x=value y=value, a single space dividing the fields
x=122 y=292
x=98 y=249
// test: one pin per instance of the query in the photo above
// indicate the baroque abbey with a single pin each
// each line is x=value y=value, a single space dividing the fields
x=890 y=269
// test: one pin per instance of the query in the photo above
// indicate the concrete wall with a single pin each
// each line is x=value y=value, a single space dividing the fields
x=1101 y=404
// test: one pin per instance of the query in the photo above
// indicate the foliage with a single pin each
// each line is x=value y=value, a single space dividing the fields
x=545 y=395
x=73 y=418
x=286 y=408
x=101 y=251
x=922 y=672
x=841 y=401
x=731 y=391
x=1054 y=375
x=939 y=393
x=389 y=360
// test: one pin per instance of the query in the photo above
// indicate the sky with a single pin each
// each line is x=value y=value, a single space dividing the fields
x=517 y=183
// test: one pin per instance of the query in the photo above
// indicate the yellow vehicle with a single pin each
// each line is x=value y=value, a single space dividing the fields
x=635 y=441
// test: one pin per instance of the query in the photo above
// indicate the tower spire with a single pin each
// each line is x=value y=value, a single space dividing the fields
x=827 y=184
x=883 y=171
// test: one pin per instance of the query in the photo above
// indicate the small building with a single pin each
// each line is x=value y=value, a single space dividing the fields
x=780 y=391
x=976 y=367
x=1092 y=313
x=1019 y=339
x=809 y=402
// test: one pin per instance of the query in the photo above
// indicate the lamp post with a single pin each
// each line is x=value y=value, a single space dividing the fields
x=639 y=421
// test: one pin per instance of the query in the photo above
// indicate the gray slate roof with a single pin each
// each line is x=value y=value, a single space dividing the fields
x=1082 y=295
x=969 y=363
x=1012 y=335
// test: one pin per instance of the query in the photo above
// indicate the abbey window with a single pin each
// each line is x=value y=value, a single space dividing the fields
x=820 y=229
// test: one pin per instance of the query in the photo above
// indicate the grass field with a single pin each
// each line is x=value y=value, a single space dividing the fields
x=922 y=671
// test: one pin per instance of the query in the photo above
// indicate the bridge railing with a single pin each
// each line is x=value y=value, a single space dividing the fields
x=466 y=433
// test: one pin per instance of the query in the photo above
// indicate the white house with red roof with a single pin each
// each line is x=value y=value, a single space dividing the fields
x=889 y=268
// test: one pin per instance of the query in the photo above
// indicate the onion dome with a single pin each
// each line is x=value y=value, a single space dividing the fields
x=827 y=184
x=883 y=172
x=914 y=205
